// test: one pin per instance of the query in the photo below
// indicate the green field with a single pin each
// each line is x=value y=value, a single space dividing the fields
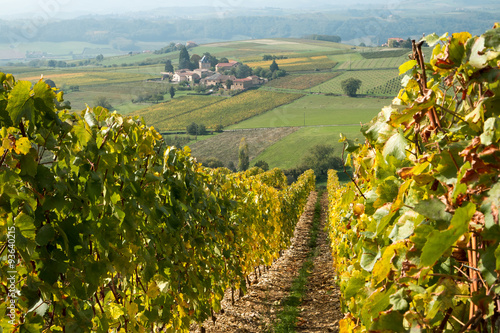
x=318 y=110
x=288 y=152
x=369 y=78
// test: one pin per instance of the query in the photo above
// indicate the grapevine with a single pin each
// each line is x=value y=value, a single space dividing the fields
x=116 y=231
x=417 y=241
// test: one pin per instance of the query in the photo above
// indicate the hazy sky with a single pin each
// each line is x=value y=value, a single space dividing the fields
x=14 y=7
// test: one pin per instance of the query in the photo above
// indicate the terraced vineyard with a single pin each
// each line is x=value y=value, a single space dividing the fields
x=390 y=88
x=374 y=63
x=298 y=64
x=301 y=82
x=370 y=79
x=165 y=112
x=211 y=111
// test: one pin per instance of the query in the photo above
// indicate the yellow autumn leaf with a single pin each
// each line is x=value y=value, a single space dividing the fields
x=23 y=146
x=153 y=290
x=115 y=311
x=462 y=37
x=132 y=309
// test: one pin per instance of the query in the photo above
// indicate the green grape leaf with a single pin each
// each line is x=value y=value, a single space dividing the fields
x=487 y=265
x=433 y=39
x=355 y=284
x=440 y=241
x=20 y=102
x=492 y=38
x=388 y=321
x=24 y=224
x=44 y=97
x=433 y=209
x=369 y=258
x=377 y=302
x=491 y=133
x=45 y=235
x=383 y=266
x=398 y=301
x=396 y=146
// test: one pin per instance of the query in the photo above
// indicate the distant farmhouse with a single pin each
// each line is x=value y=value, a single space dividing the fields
x=209 y=78
x=226 y=66
x=391 y=41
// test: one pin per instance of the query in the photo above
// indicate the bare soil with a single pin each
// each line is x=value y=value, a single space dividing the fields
x=257 y=310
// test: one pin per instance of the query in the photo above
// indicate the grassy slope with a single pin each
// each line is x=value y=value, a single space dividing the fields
x=318 y=110
x=288 y=152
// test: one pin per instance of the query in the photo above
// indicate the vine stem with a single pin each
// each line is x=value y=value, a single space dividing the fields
x=3 y=157
x=445 y=320
x=345 y=171
x=471 y=321
x=98 y=302
x=21 y=127
x=473 y=272
x=419 y=57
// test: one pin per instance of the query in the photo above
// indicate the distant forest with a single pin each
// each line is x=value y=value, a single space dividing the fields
x=122 y=33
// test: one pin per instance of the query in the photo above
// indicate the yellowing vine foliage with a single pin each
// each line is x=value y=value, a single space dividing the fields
x=416 y=236
x=113 y=230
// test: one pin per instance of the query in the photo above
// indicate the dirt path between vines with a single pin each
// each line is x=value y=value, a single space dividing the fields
x=257 y=311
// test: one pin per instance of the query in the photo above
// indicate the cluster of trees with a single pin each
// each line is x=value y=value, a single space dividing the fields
x=169 y=48
x=103 y=101
x=193 y=62
x=320 y=158
x=148 y=97
x=57 y=63
x=196 y=129
x=241 y=71
x=350 y=86
x=266 y=57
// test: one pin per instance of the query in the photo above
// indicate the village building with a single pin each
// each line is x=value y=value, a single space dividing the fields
x=225 y=66
x=241 y=84
x=217 y=79
x=203 y=72
x=185 y=75
x=247 y=82
x=204 y=63
x=393 y=39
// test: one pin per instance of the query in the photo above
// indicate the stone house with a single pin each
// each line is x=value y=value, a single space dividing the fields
x=224 y=66
x=217 y=79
